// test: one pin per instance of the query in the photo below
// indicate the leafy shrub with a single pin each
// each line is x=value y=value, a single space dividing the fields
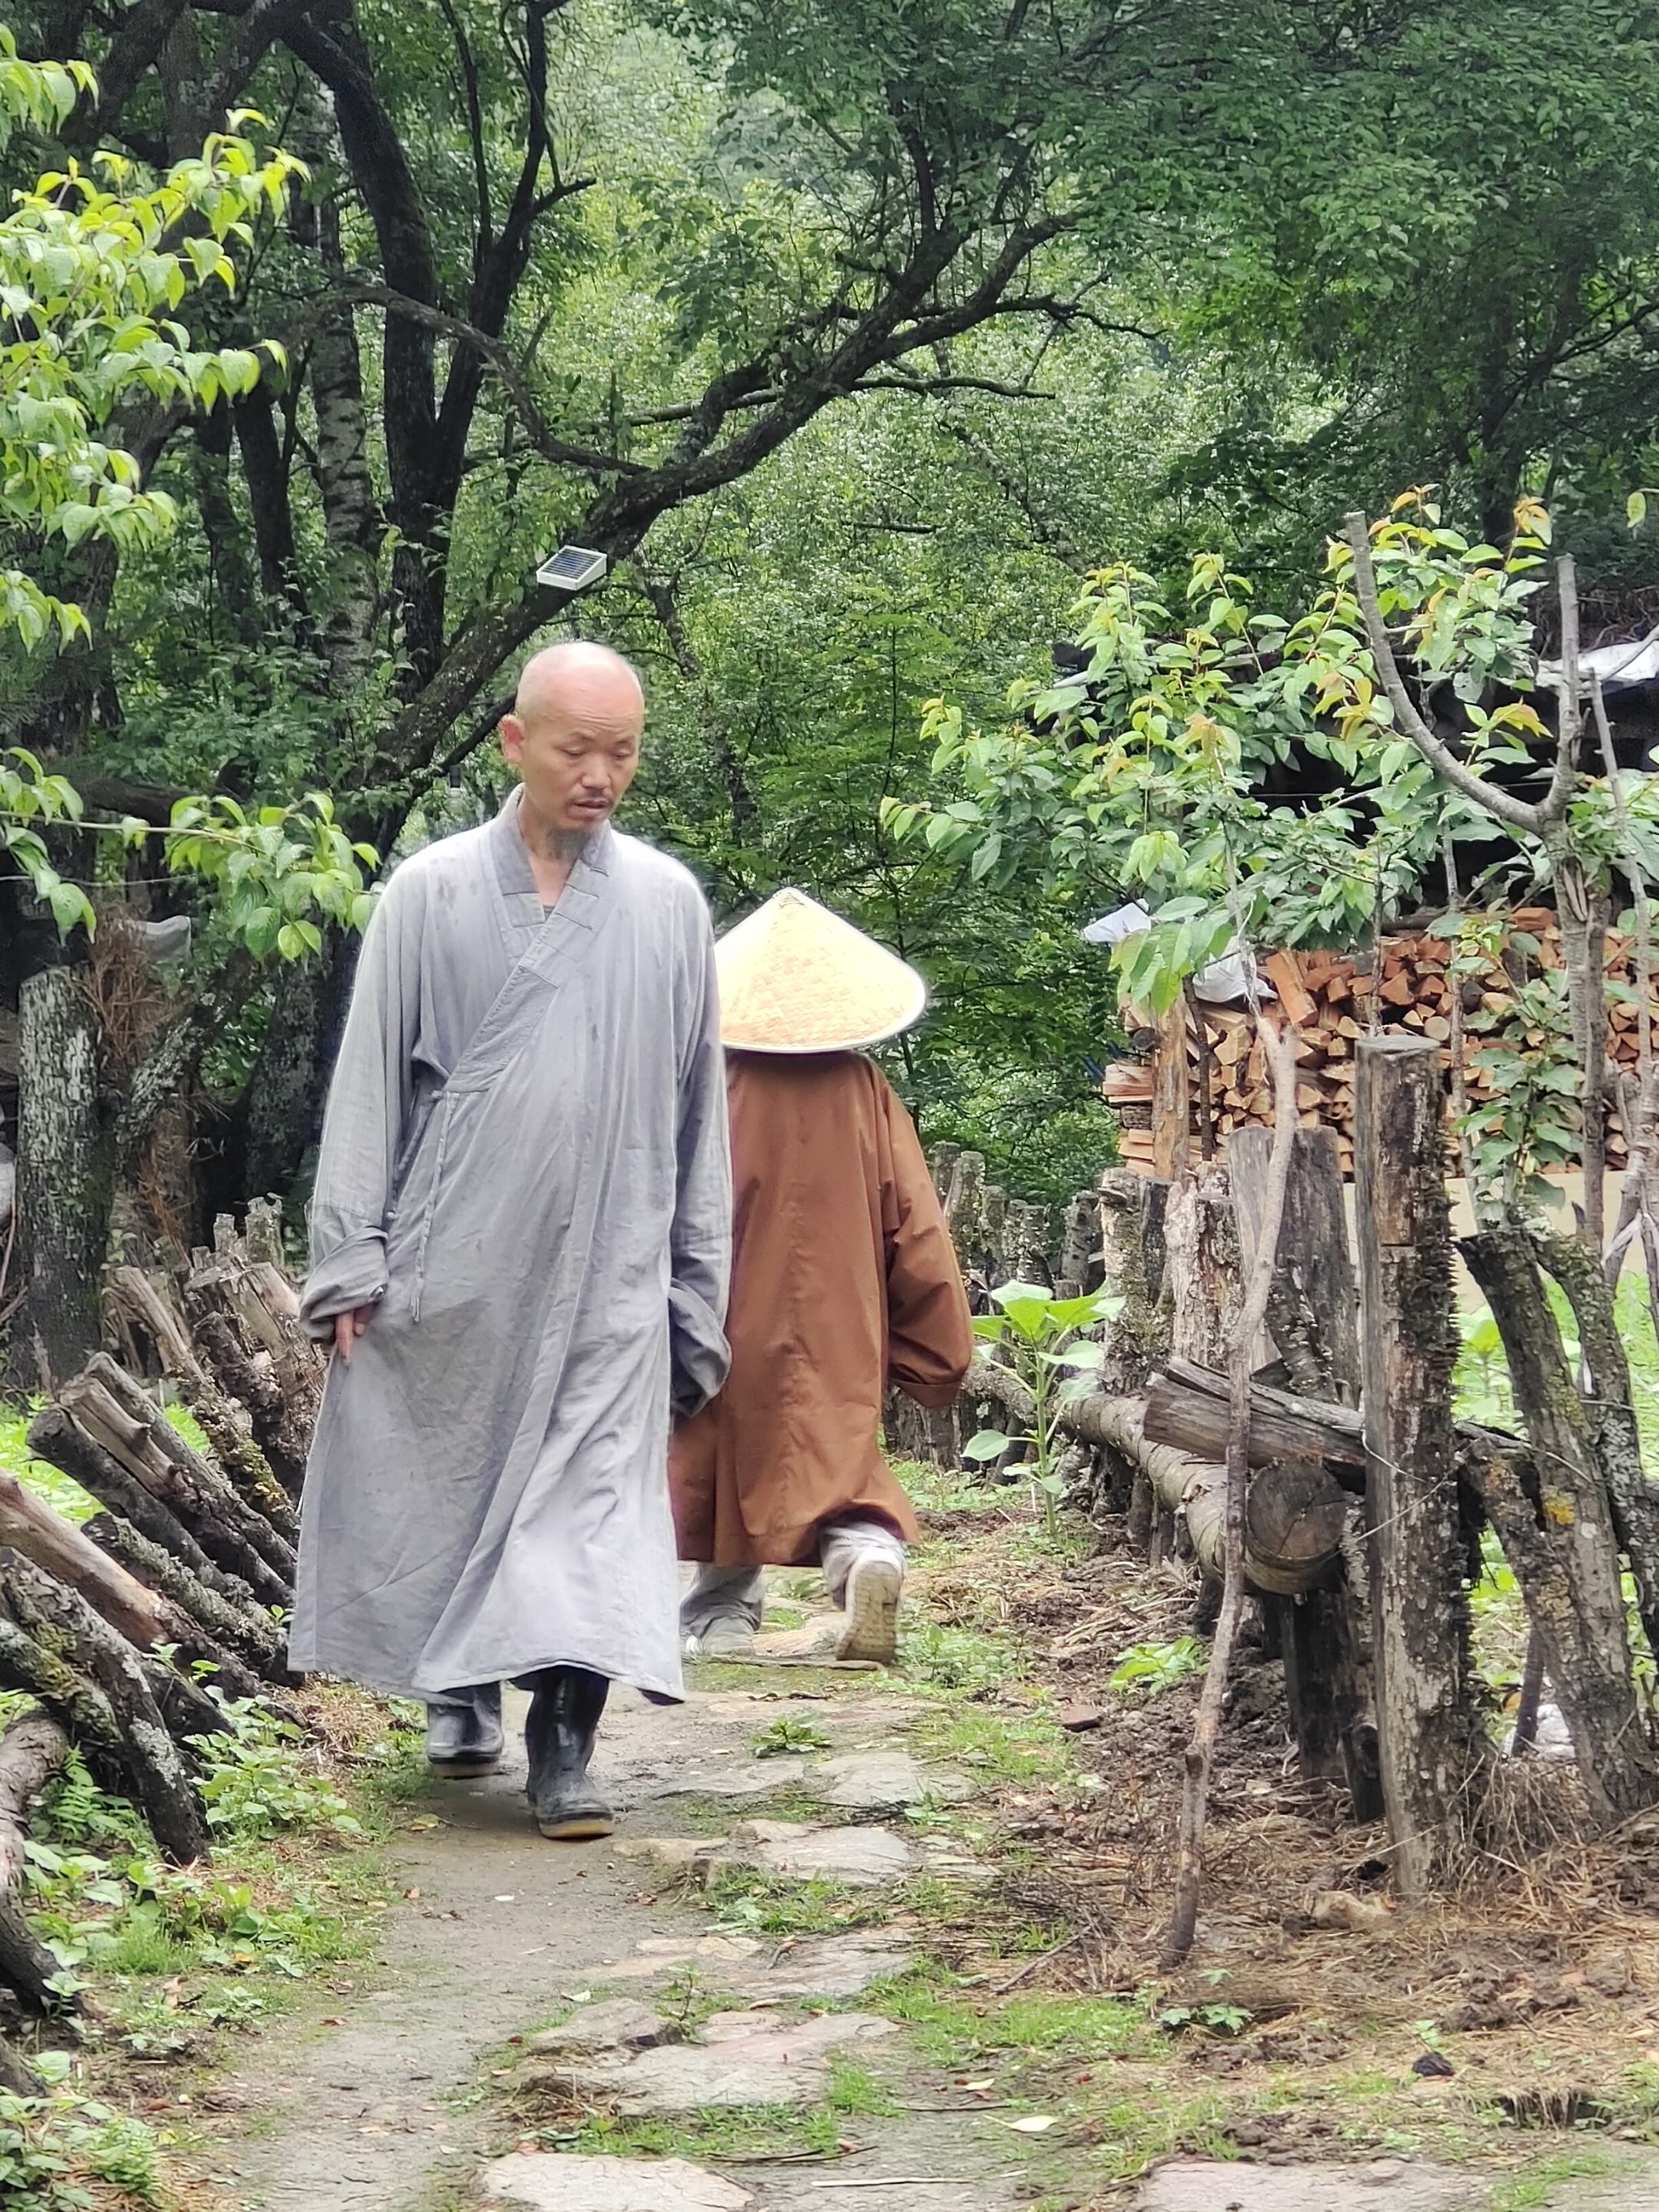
x=1154 y=1668
x=252 y=1781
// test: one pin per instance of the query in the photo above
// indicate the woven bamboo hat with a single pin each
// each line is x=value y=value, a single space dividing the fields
x=794 y=977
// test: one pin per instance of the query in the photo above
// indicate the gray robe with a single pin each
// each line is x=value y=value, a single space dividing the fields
x=524 y=1162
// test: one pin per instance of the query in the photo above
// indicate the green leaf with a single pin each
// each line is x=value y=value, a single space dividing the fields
x=987 y=1444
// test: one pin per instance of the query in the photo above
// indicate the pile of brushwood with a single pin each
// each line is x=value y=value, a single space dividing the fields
x=130 y=1632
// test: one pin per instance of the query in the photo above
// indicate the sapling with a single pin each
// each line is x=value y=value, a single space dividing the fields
x=1043 y=1336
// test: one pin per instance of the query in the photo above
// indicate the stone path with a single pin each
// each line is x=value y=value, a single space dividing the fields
x=364 y=2106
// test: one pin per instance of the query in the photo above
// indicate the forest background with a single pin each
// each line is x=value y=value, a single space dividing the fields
x=856 y=335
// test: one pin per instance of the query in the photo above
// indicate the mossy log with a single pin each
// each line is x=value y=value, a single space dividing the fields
x=93 y=1682
x=32 y=1750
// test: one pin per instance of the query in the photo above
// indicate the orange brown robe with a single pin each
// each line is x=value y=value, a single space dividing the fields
x=843 y=1279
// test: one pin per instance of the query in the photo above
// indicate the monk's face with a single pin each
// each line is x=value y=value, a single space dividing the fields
x=574 y=740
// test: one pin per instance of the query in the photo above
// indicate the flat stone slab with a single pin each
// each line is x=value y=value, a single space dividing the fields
x=1386 y=2185
x=810 y=1966
x=859 y=1857
x=620 y=2024
x=867 y=1781
x=746 y=2058
x=542 y=2181
x=755 y=1778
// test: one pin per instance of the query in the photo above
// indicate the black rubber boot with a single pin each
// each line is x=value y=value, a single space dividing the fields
x=464 y=1732
x=564 y=1718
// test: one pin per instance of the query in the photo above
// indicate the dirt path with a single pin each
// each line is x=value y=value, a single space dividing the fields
x=387 y=2102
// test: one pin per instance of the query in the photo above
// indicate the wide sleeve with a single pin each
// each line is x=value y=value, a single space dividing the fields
x=930 y=1339
x=700 y=1262
x=368 y=1103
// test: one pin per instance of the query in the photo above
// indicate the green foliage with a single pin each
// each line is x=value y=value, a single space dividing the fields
x=254 y=1783
x=1043 y=1335
x=47 y=2142
x=787 y=1734
x=93 y=269
x=1216 y=2018
x=1145 y=775
x=1154 y=1668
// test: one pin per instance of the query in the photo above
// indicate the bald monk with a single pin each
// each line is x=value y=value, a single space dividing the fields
x=520 y=1239
x=844 y=1283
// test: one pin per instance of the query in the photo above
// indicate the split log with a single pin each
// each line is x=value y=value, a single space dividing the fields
x=260 y=1309
x=53 y=1436
x=1433 y=1748
x=1579 y=1607
x=223 y=1412
x=117 y=1413
x=53 y=1645
x=1324 y=1630
x=139 y=1613
x=1313 y=1306
x=32 y=1750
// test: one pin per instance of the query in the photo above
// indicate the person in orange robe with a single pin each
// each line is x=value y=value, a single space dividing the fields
x=844 y=1282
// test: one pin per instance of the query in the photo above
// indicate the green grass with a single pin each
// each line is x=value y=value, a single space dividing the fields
x=754 y=2134
x=747 y=1902
x=995 y=1747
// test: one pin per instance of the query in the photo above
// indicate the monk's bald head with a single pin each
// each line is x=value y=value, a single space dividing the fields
x=577 y=671
x=574 y=734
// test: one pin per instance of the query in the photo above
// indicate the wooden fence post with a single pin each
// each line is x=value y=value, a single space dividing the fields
x=1434 y=1750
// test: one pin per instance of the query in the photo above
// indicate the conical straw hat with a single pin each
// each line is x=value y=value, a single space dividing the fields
x=794 y=977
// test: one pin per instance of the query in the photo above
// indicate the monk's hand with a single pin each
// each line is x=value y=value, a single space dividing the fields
x=348 y=1328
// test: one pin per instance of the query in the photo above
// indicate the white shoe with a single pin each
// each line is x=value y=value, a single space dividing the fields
x=873 y=1603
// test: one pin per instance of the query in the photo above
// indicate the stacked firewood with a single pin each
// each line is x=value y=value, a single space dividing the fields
x=1332 y=999
x=116 y=1627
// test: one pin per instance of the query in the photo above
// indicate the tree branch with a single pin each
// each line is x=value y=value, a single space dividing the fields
x=1439 y=755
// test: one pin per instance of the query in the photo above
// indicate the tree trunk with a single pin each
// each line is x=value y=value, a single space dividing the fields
x=1432 y=1746
x=1611 y=1417
x=1553 y=1518
x=65 y=1177
x=282 y=1107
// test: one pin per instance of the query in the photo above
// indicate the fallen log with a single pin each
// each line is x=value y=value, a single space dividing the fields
x=32 y=1750
x=1295 y=1516
x=159 y=1708
x=245 y=1315
x=1187 y=1405
x=119 y=1414
x=144 y=1616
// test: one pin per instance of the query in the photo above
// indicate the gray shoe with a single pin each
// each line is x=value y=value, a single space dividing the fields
x=463 y=1734
x=728 y=1635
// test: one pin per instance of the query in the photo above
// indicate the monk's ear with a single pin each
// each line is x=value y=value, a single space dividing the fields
x=511 y=729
